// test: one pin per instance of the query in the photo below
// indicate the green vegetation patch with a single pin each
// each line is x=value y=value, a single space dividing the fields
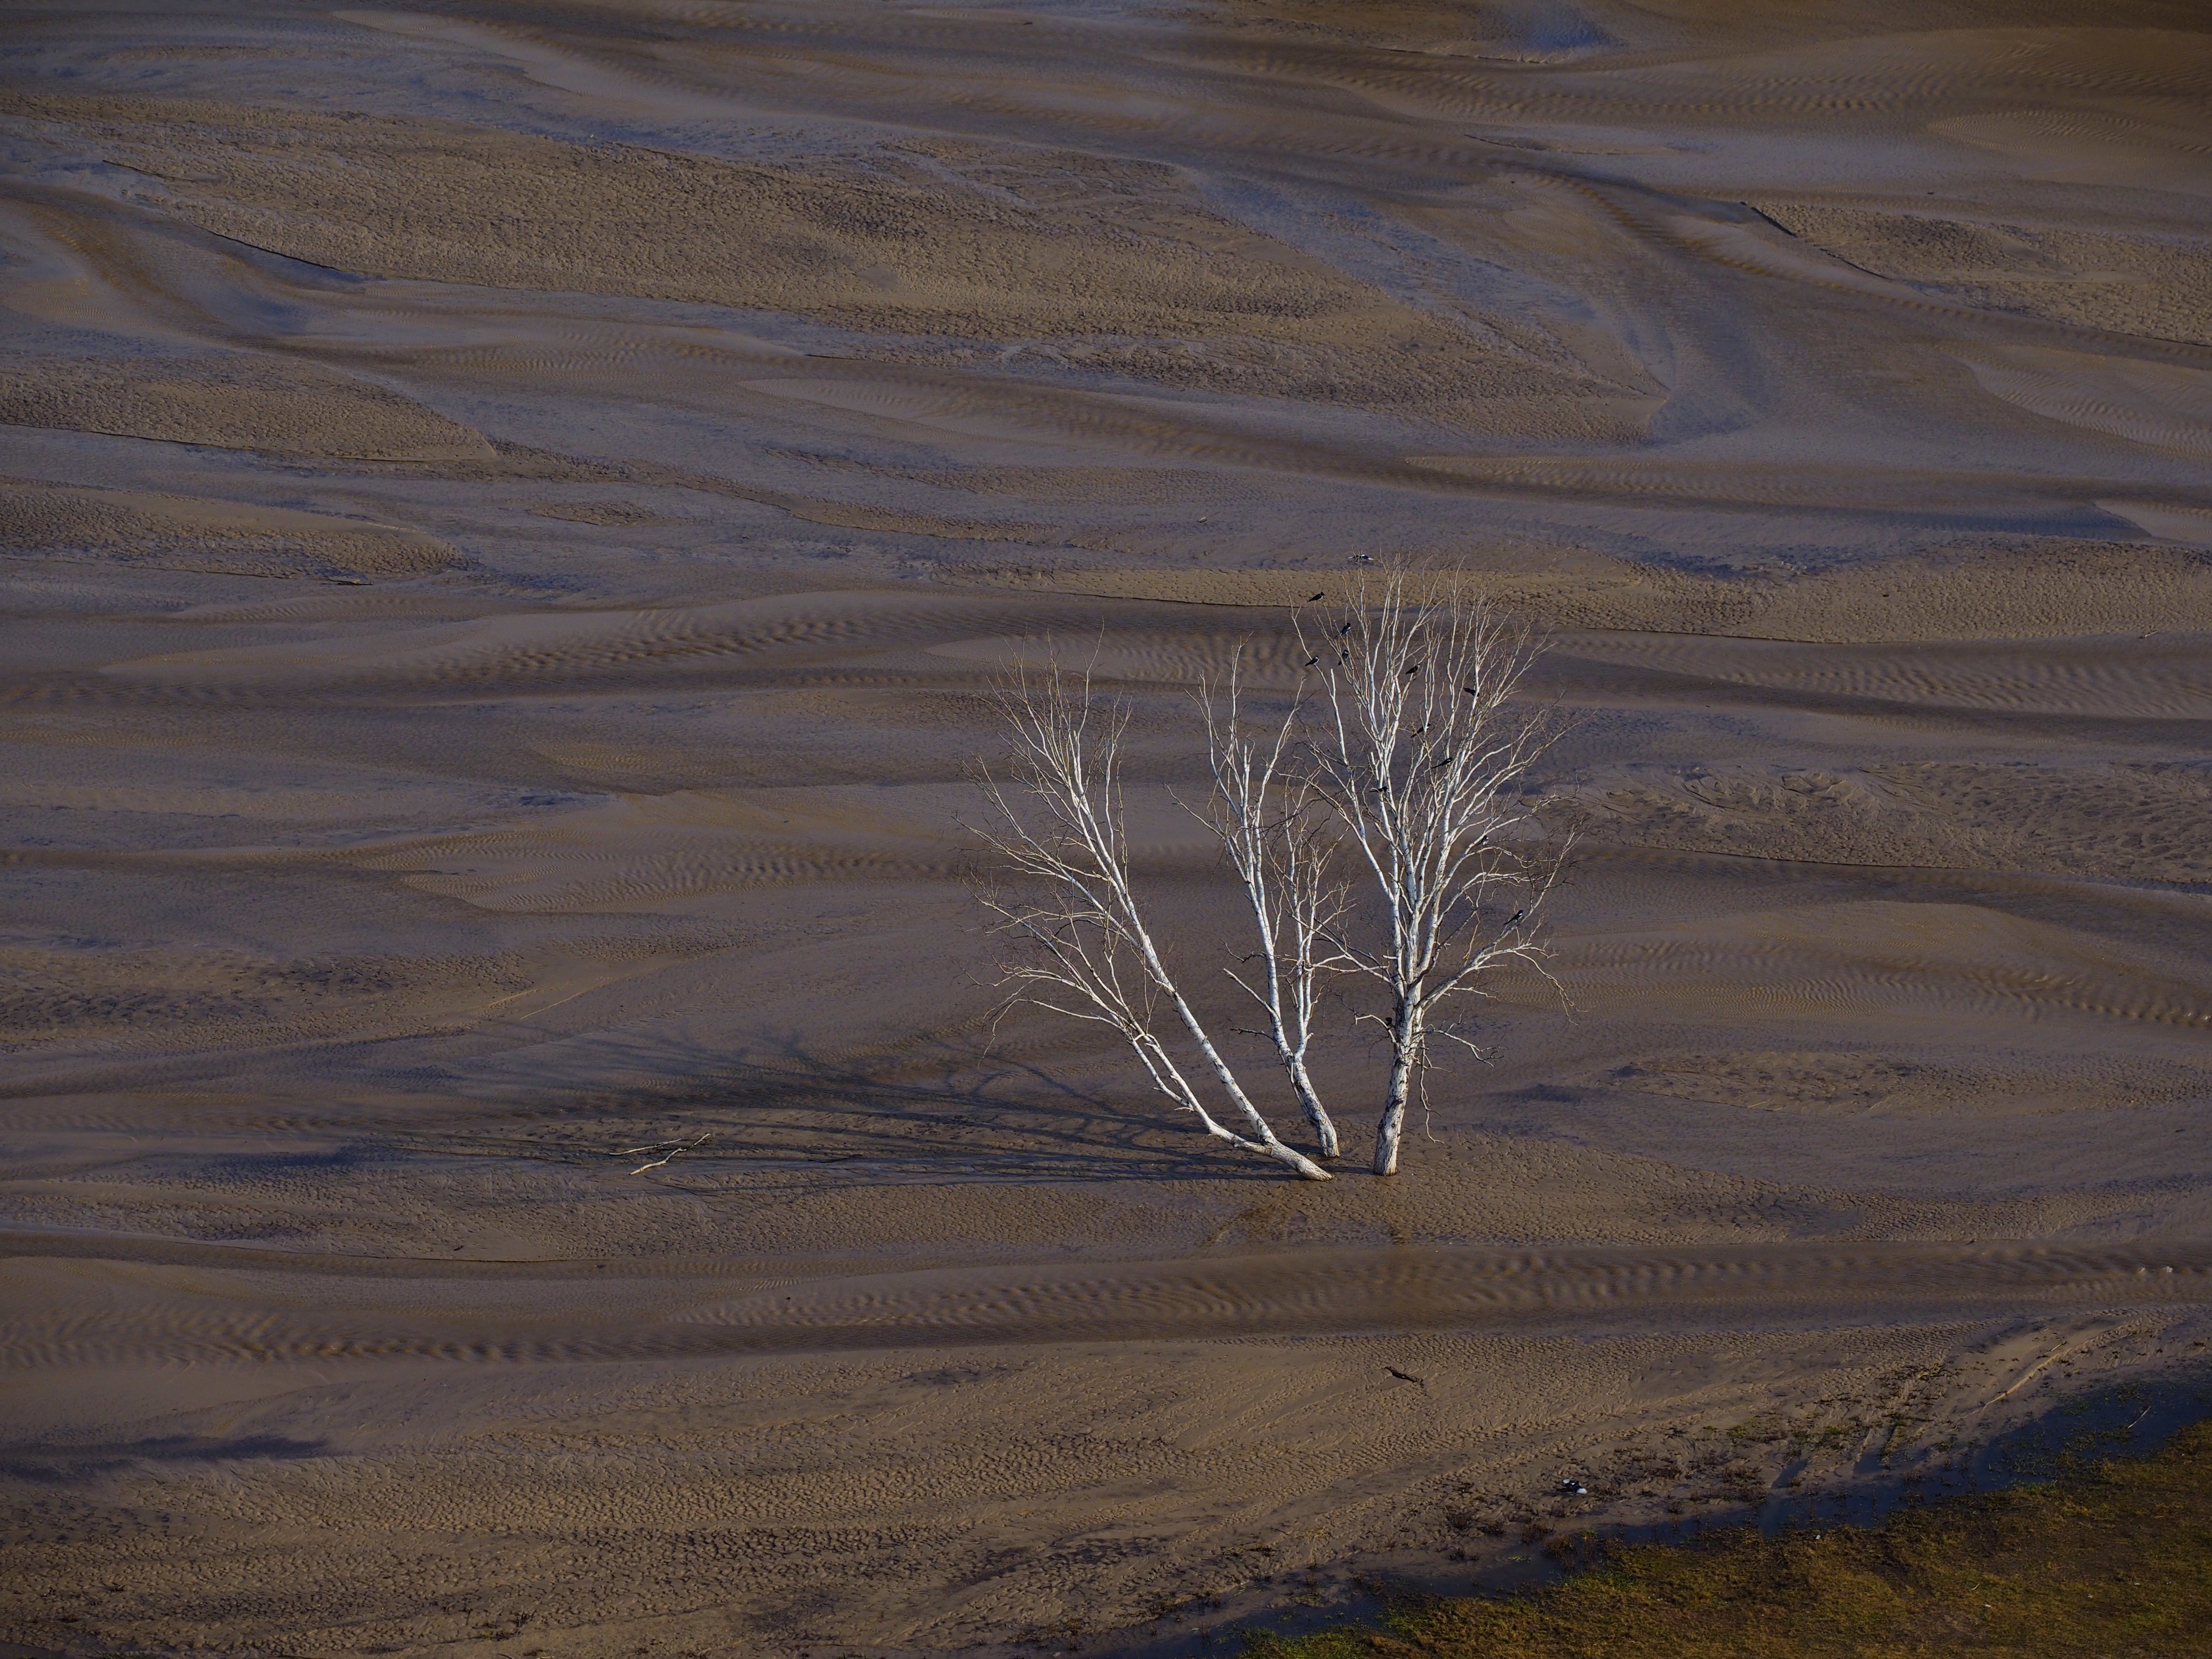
x=2112 y=1558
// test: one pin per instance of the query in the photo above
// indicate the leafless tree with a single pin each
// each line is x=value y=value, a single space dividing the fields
x=1272 y=823
x=1059 y=829
x=1422 y=750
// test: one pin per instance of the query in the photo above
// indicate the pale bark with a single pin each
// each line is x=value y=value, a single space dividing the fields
x=1265 y=811
x=1060 y=829
x=1405 y=1036
x=1423 y=755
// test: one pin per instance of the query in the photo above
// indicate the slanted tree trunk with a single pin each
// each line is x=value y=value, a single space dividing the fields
x=1059 y=829
x=1262 y=1130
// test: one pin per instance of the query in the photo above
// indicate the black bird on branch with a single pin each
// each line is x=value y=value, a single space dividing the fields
x=1317 y=598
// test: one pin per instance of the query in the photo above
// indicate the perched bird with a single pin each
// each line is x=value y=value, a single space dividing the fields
x=1414 y=669
x=1317 y=598
x=1312 y=662
x=1517 y=914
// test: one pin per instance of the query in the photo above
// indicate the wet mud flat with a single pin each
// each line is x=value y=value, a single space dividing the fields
x=509 y=518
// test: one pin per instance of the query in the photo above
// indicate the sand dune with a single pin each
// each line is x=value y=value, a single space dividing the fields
x=213 y=537
x=510 y=515
x=233 y=401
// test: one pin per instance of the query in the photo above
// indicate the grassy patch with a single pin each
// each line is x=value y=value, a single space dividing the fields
x=2110 y=1558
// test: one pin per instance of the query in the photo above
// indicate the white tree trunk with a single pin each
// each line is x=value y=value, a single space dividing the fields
x=1309 y=1103
x=1423 y=758
x=1090 y=954
x=1405 y=1051
x=1261 y=808
x=1230 y=1087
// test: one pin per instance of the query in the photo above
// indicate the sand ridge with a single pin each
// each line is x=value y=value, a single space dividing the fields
x=229 y=538
x=1970 y=591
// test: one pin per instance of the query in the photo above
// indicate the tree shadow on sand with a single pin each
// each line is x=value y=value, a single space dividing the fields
x=938 y=1110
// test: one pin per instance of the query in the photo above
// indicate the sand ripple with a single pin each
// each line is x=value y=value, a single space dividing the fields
x=1428 y=1290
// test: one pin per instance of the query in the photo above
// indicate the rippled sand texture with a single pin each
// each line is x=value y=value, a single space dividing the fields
x=506 y=511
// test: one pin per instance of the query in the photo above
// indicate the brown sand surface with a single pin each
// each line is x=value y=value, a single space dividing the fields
x=507 y=514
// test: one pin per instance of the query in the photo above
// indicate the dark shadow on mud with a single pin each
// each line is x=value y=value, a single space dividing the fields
x=61 y=1465
x=945 y=1110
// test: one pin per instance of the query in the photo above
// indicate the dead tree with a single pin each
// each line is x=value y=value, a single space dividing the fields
x=1422 y=751
x=1059 y=829
x=1272 y=821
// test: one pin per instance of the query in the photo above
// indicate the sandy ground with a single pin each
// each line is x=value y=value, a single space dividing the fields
x=505 y=513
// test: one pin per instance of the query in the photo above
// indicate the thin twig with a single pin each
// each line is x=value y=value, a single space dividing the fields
x=667 y=1149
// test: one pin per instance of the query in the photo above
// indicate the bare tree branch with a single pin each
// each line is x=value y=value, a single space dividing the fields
x=1059 y=829
x=1422 y=753
x=1271 y=820
x=662 y=1151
